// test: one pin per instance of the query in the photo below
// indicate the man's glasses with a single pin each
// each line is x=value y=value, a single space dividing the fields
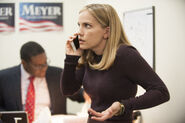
x=40 y=66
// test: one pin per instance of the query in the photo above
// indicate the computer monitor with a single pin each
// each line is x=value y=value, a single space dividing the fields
x=14 y=117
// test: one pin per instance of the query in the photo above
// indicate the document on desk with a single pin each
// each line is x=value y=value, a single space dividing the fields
x=44 y=116
x=68 y=119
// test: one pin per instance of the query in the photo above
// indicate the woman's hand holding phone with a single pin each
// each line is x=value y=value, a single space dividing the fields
x=75 y=43
x=73 y=46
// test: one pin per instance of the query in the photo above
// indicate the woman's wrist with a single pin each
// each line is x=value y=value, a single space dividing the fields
x=71 y=59
x=121 y=111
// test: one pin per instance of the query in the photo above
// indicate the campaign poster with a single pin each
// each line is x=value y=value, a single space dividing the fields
x=7 y=17
x=40 y=17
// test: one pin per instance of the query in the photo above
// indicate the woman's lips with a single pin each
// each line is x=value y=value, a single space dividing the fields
x=81 y=41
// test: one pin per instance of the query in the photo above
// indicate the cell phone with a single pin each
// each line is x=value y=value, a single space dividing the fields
x=75 y=43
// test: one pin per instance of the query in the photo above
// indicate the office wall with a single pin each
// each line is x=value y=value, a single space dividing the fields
x=170 y=60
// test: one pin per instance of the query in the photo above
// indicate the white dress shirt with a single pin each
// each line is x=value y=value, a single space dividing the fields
x=42 y=98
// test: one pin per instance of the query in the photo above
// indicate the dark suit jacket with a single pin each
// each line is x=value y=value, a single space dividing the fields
x=10 y=90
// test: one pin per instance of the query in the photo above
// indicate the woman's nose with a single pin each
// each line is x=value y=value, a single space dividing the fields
x=80 y=31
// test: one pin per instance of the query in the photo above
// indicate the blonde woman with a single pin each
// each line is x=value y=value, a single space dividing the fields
x=109 y=68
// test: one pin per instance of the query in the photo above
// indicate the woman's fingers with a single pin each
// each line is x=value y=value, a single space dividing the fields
x=94 y=113
x=69 y=49
x=100 y=116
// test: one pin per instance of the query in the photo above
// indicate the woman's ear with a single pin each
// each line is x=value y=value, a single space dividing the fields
x=107 y=32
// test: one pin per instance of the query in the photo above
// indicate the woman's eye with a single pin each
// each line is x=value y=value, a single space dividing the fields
x=87 y=25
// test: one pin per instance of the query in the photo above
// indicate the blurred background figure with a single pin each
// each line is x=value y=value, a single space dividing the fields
x=33 y=85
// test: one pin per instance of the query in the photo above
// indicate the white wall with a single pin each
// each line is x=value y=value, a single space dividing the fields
x=170 y=60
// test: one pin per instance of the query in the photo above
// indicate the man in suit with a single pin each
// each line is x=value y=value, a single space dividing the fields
x=14 y=83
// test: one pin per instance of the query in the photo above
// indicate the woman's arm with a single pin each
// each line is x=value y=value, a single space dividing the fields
x=71 y=78
x=139 y=72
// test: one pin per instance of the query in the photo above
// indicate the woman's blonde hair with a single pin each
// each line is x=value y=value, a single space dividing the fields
x=107 y=17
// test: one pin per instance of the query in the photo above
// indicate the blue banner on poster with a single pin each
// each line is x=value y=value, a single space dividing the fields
x=7 y=17
x=40 y=17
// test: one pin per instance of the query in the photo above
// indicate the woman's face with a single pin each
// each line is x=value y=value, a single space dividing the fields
x=91 y=34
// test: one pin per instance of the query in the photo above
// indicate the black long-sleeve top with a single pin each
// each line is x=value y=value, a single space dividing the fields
x=118 y=83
